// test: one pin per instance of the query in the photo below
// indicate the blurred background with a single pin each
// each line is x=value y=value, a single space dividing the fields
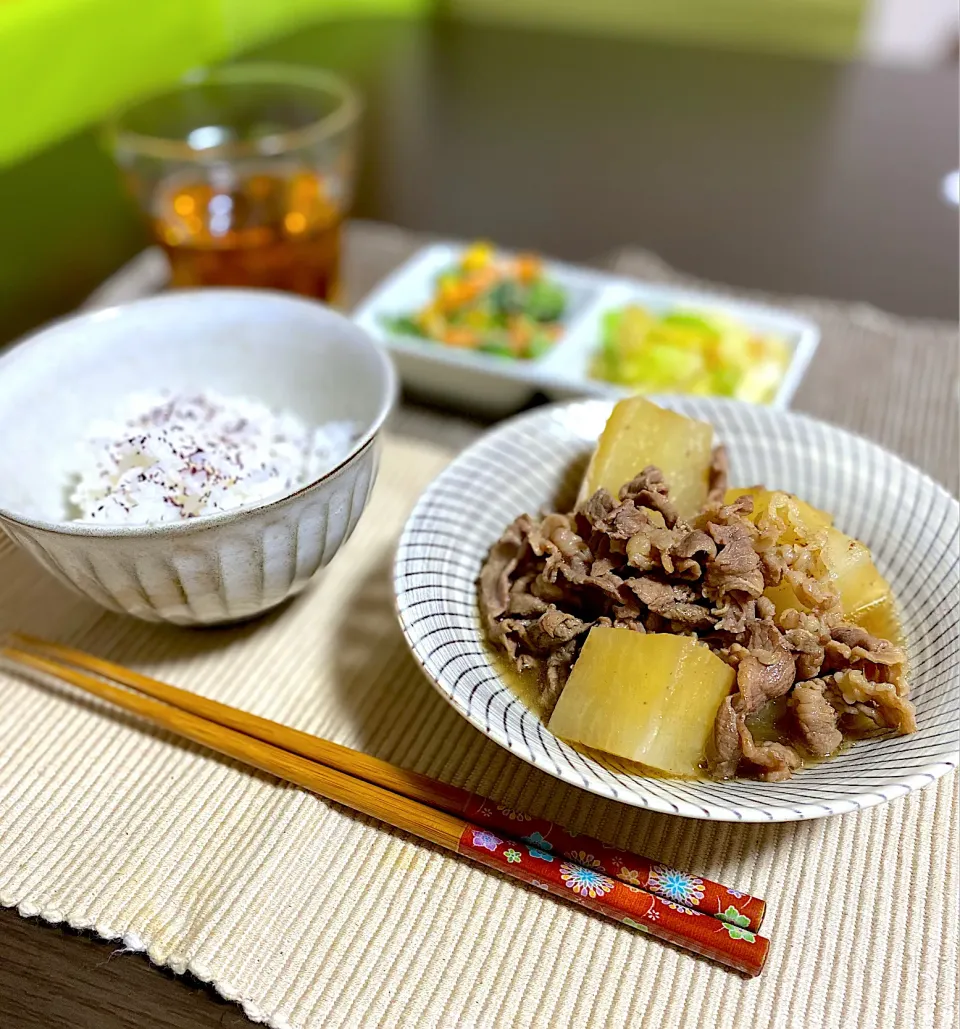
x=69 y=61
x=785 y=144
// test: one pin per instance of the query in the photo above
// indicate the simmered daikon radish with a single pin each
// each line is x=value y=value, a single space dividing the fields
x=852 y=569
x=865 y=595
x=639 y=434
x=813 y=517
x=648 y=697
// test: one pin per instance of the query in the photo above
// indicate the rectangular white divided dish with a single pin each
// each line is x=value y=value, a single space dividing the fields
x=498 y=386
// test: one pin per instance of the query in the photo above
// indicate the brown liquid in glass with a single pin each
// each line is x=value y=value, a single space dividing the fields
x=276 y=230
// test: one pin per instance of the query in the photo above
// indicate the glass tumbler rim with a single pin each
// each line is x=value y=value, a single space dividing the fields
x=347 y=113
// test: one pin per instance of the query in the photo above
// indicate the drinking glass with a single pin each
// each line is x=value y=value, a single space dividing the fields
x=245 y=174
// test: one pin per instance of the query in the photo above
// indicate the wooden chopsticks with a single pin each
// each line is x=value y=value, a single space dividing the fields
x=577 y=868
x=735 y=907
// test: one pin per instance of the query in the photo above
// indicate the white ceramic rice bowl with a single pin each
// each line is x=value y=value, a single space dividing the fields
x=288 y=352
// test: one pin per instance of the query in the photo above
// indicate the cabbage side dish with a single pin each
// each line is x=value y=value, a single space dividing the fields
x=689 y=352
x=693 y=628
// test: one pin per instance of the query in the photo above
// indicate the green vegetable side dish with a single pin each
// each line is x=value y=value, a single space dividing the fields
x=689 y=352
x=501 y=306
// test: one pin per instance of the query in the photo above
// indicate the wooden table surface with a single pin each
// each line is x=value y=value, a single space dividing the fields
x=769 y=172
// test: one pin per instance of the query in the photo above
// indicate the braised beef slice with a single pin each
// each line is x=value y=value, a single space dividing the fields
x=598 y=509
x=819 y=595
x=851 y=645
x=601 y=566
x=555 y=539
x=523 y=603
x=816 y=718
x=851 y=688
x=765 y=671
x=719 y=513
x=802 y=641
x=808 y=649
x=651 y=548
x=772 y=564
x=578 y=573
x=545 y=589
x=757 y=682
x=649 y=490
x=735 y=614
x=719 y=468
x=616 y=519
x=775 y=761
x=695 y=544
x=723 y=746
x=673 y=602
x=554 y=673
x=510 y=634
x=682 y=552
x=494 y=584
x=809 y=666
x=553 y=629
x=736 y=566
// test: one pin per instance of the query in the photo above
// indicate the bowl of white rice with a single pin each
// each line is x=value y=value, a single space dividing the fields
x=195 y=457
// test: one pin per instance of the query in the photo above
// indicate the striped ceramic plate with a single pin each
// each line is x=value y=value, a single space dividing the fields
x=526 y=464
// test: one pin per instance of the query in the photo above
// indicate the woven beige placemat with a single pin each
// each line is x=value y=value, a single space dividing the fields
x=313 y=917
x=310 y=916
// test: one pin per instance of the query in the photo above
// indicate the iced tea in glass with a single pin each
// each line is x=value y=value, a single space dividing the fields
x=246 y=174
